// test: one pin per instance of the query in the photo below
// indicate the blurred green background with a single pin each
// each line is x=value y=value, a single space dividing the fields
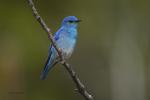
x=112 y=56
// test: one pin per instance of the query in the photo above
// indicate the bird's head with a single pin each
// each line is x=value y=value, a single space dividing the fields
x=70 y=21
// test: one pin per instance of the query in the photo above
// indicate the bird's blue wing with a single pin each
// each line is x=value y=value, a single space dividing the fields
x=51 y=61
x=57 y=34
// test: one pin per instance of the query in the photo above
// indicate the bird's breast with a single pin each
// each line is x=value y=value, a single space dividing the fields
x=66 y=44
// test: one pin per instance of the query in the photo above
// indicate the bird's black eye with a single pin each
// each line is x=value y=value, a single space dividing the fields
x=70 y=21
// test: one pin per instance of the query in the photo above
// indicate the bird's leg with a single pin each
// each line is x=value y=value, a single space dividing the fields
x=62 y=61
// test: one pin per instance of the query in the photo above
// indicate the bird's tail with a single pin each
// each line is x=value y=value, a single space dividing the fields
x=49 y=65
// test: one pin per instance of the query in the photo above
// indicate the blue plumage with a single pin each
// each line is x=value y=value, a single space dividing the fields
x=65 y=39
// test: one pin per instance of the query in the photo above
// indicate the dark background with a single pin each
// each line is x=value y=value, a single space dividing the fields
x=112 y=56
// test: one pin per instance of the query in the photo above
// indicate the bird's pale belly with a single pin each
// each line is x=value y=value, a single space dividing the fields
x=67 y=46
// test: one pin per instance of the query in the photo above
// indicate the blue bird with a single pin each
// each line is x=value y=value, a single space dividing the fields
x=65 y=39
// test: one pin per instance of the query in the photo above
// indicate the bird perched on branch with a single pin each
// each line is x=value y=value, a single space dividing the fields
x=65 y=39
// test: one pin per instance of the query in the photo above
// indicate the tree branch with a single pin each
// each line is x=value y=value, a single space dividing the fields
x=45 y=27
x=80 y=86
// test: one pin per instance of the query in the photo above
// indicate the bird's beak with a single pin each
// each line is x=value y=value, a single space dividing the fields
x=78 y=20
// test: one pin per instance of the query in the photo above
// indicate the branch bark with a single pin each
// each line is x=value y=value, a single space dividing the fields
x=80 y=86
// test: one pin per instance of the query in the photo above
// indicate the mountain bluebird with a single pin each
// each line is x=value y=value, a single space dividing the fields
x=65 y=39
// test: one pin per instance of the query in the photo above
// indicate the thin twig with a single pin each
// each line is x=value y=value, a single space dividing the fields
x=80 y=87
x=45 y=27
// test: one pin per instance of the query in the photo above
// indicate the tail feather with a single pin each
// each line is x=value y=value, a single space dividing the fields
x=50 y=63
x=46 y=70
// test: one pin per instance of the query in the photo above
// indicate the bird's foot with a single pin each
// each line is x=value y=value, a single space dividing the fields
x=62 y=61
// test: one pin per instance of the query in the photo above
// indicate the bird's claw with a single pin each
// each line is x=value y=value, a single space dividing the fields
x=62 y=61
